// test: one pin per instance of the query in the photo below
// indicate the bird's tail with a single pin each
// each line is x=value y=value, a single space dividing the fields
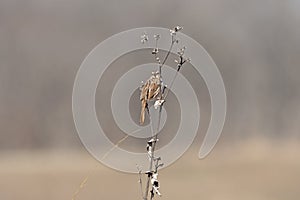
x=142 y=117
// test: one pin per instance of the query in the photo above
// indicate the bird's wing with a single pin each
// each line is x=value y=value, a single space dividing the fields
x=154 y=87
x=153 y=90
x=144 y=91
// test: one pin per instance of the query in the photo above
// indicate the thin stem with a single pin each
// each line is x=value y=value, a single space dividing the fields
x=140 y=180
x=162 y=64
x=84 y=181
x=159 y=119
x=172 y=83
x=168 y=53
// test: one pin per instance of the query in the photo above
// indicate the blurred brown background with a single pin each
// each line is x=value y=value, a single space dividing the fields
x=255 y=44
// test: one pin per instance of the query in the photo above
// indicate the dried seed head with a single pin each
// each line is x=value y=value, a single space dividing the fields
x=172 y=32
x=156 y=36
x=177 y=28
x=181 y=51
x=188 y=60
x=155 y=51
x=144 y=38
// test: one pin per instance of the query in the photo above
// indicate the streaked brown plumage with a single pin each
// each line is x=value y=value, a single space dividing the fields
x=149 y=91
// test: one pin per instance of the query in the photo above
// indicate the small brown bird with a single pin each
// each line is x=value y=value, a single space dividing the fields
x=149 y=91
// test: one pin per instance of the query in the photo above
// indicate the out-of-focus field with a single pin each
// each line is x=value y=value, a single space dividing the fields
x=254 y=170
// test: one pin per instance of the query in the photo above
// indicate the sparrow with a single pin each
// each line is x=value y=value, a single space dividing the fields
x=149 y=91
